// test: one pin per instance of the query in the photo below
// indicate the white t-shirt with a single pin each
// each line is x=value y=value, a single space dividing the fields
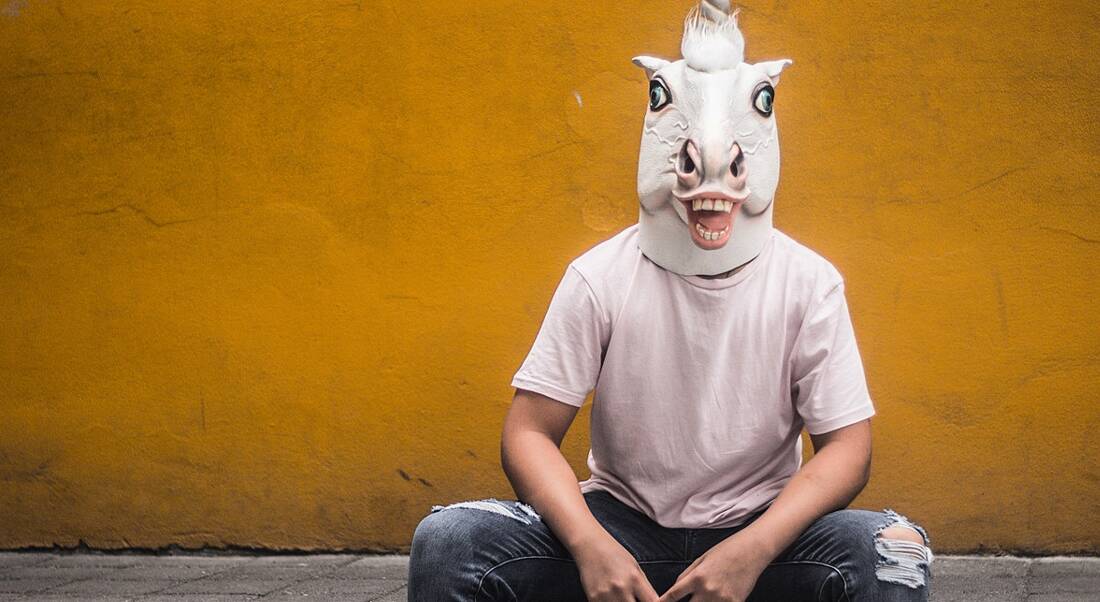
x=702 y=386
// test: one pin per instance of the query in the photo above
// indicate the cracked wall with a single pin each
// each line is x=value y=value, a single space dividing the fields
x=268 y=267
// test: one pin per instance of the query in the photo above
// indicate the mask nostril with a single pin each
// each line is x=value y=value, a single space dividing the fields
x=686 y=164
x=737 y=165
x=738 y=160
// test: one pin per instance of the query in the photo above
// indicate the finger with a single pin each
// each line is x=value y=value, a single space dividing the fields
x=689 y=569
x=646 y=593
x=681 y=588
x=677 y=591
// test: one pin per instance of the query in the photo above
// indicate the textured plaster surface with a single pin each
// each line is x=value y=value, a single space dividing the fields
x=267 y=268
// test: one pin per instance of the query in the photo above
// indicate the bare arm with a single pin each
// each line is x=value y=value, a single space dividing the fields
x=829 y=481
x=837 y=472
x=531 y=456
x=532 y=460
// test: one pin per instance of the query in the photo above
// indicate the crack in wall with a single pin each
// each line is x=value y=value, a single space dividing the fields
x=139 y=212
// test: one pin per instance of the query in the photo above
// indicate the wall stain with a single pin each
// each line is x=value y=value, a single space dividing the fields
x=13 y=7
x=1002 y=309
x=39 y=473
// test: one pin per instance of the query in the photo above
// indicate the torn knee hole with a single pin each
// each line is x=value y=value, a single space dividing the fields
x=514 y=510
x=904 y=555
x=897 y=526
x=902 y=532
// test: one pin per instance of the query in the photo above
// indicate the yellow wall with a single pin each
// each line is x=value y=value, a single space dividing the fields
x=267 y=267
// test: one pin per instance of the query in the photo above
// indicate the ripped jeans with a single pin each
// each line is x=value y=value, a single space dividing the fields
x=501 y=550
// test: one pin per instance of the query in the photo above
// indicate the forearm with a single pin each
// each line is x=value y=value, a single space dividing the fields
x=543 y=478
x=829 y=481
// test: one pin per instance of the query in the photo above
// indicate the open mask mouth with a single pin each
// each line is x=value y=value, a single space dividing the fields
x=710 y=220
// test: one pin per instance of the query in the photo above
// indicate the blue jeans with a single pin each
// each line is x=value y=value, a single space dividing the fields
x=501 y=550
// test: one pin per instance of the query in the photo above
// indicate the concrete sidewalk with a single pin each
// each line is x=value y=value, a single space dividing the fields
x=336 y=577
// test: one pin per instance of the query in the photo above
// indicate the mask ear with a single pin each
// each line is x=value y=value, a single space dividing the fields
x=773 y=68
x=651 y=64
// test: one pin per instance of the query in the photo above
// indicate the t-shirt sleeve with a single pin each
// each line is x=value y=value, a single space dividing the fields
x=565 y=359
x=828 y=383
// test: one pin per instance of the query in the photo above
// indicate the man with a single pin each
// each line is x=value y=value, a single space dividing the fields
x=710 y=339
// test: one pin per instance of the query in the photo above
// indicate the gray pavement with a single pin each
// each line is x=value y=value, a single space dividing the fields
x=340 y=577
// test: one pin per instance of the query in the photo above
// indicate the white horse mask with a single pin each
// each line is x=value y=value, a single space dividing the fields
x=709 y=160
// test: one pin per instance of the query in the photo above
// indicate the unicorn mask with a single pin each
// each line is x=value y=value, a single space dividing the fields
x=709 y=160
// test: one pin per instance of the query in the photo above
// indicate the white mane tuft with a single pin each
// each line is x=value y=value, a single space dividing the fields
x=712 y=40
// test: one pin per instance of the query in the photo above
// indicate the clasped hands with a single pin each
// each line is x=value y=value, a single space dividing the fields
x=725 y=573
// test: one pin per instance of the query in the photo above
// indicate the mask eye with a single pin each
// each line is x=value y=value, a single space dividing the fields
x=763 y=100
x=659 y=95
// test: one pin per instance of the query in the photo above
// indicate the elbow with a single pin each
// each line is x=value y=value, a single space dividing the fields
x=505 y=459
x=865 y=473
x=507 y=434
x=511 y=450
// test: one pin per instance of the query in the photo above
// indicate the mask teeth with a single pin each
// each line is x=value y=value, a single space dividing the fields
x=709 y=234
x=711 y=205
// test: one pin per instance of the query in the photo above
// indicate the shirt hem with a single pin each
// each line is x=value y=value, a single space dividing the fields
x=552 y=391
x=852 y=417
